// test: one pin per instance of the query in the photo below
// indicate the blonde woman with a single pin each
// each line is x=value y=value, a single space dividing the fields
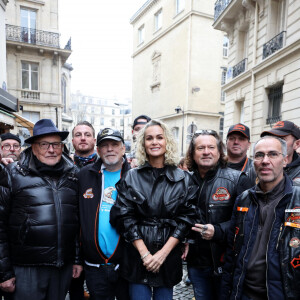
x=154 y=213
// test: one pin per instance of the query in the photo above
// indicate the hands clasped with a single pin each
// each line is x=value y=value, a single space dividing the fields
x=154 y=262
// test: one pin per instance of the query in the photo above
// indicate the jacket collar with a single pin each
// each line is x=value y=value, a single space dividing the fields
x=26 y=162
x=172 y=172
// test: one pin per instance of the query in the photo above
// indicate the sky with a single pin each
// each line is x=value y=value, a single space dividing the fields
x=101 y=43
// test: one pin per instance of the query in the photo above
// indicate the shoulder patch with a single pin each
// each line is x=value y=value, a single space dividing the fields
x=88 y=194
x=221 y=194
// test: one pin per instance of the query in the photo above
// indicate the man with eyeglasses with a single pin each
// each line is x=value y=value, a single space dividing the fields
x=10 y=148
x=219 y=187
x=263 y=255
x=289 y=132
x=237 y=144
x=39 y=221
x=102 y=246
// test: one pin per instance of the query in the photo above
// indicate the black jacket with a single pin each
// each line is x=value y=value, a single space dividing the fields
x=217 y=194
x=283 y=251
x=293 y=169
x=154 y=208
x=38 y=216
x=90 y=193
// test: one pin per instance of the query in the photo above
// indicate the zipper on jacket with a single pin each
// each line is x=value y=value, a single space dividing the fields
x=279 y=236
x=243 y=266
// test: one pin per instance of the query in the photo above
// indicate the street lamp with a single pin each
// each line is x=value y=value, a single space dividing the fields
x=122 y=104
x=178 y=109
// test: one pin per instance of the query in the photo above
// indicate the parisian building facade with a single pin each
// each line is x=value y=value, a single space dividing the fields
x=263 y=76
x=35 y=61
x=179 y=61
x=102 y=113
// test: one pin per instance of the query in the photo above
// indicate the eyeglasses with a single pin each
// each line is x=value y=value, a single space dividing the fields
x=7 y=147
x=46 y=145
x=259 y=156
x=205 y=132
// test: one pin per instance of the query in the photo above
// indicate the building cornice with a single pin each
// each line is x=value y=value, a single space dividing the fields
x=41 y=2
x=190 y=112
x=167 y=30
x=142 y=10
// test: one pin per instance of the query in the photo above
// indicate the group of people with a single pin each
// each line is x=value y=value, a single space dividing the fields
x=125 y=225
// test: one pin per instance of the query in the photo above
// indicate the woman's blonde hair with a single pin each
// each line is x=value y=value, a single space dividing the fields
x=171 y=155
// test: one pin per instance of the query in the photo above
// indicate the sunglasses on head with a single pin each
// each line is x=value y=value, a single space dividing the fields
x=205 y=132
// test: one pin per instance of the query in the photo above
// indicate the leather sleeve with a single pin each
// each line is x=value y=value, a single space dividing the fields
x=6 y=270
x=122 y=214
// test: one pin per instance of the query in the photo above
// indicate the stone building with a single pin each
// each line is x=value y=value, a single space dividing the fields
x=35 y=58
x=8 y=103
x=178 y=64
x=101 y=113
x=263 y=77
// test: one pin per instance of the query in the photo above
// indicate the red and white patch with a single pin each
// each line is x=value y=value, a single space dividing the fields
x=221 y=194
x=294 y=242
x=295 y=262
x=88 y=194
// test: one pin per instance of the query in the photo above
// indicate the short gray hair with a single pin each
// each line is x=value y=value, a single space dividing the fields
x=282 y=142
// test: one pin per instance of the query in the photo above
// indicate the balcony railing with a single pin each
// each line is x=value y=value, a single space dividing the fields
x=30 y=95
x=239 y=68
x=220 y=6
x=273 y=45
x=273 y=120
x=32 y=36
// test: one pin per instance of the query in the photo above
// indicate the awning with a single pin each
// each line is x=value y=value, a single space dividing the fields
x=24 y=122
x=8 y=101
x=7 y=120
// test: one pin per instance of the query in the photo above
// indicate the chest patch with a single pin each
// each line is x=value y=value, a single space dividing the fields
x=293 y=220
x=88 y=194
x=295 y=262
x=294 y=242
x=221 y=194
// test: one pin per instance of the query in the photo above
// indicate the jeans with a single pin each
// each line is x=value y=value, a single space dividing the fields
x=144 y=292
x=105 y=283
x=206 y=285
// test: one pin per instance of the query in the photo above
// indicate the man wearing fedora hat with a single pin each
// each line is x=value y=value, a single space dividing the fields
x=102 y=246
x=39 y=219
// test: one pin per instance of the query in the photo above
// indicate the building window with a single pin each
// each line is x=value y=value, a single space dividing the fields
x=180 y=6
x=102 y=110
x=101 y=121
x=113 y=112
x=113 y=122
x=33 y=116
x=225 y=46
x=175 y=131
x=30 y=76
x=223 y=78
x=223 y=96
x=221 y=127
x=64 y=94
x=158 y=20
x=28 y=25
x=274 y=110
x=141 y=34
x=121 y=122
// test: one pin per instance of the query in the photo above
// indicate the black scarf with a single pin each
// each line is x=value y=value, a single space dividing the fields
x=51 y=171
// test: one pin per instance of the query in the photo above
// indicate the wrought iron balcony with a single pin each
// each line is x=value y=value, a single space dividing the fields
x=220 y=6
x=32 y=36
x=273 y=120
x=273 y=45
x=239 y=68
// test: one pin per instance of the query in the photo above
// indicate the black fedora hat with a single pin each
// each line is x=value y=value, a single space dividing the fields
x=45 y=127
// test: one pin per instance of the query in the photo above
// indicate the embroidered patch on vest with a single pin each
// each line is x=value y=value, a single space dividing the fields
x=294 y=242
x=243 y=209
x=295 y=262
x=293 y=219
x=88 y=194
x=221 y=194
